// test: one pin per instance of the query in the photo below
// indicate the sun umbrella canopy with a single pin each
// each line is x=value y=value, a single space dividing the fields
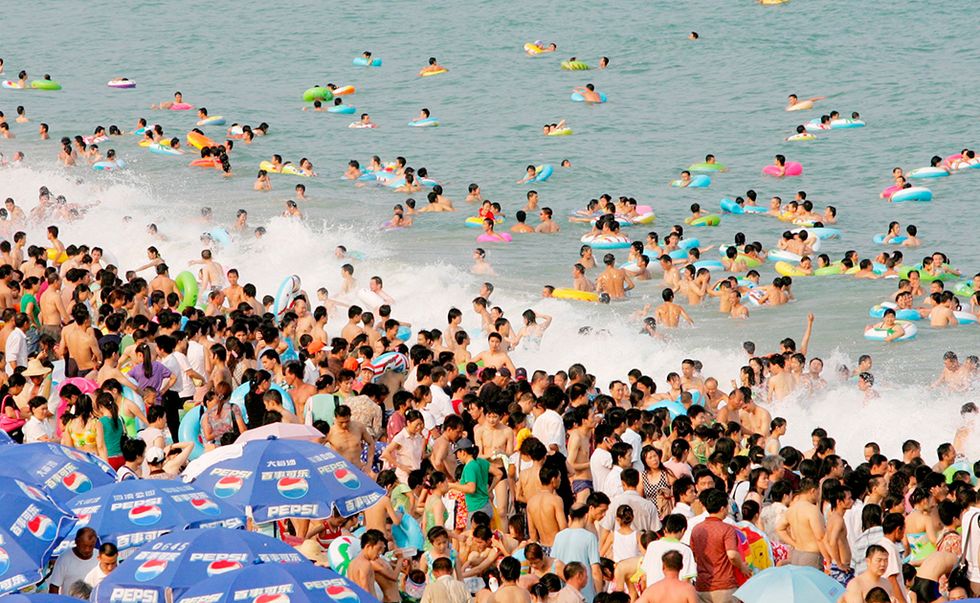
x=289 y=478
x=60 y=471
x=282 y=431
x=39 y=598
x=31 y=526
x=268 y=583
x=135 y=512
x=790 y=584
x=180 y=560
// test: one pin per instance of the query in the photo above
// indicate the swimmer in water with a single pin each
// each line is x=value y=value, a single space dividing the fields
x=489 y=232
x=566 y=163
x=693 y=35
x=318 y=106
x=473 y=194
x=588 y=93
x=684 y=181
x=669 y=313
x=432 y=67
x=521 y=226
x=353 y=171
x=532 y=173
x=423 y=114
x=603 y=62
x=579 y=281
x=480 y=263
x=542 y=49
x=614 y=282
x=795 y=104
x=21 y=115
x=365 y=122
x=178 y=98
x=262 y=182
x=547 y=225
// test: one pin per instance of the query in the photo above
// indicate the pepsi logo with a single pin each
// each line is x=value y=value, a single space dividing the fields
x=4 y=562
x=228 y=486
x=341 y=594
x=292 y=487
x=145 y=515
x=346 y=478
x=272 y=598
x=206 y=506
x=77 y=482
x=216 y=568
x=32 y=492
x=42 y=528
x=149 y=570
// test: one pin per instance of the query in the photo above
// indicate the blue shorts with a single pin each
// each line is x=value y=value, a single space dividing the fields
x=581 y=484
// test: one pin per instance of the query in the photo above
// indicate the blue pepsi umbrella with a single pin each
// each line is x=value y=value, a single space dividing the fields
x=39 y=598
x=290 y=478
x=273 y=583
x=134 y=512
x=790 y=584
x=60 y=471
x=180 y=560
x=31 y=526
x=5 y=439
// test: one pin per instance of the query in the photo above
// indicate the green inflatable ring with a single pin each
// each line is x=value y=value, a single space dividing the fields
x=574 y=66
x=45 y=85
x=317 y=93
x=187 y=285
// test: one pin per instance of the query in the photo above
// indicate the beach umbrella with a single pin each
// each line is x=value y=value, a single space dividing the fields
x=790 y=584
x=5 y=439
x=60 y=471
x=179 y=560
x=39 y=598
x=278 y=583
x=290 y=478
x=134 y=512
x=31 y=526
x=282 y=431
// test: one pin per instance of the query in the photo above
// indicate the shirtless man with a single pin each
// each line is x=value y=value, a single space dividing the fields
x=495 y=437
x=353 y=327
x=547 y=225
x=754 y=418
x=835 y=540
x=782 y=383
x=53 y=312
x=510 y=591
x=78 y=342
x=579 y=440
x=545 y=510
x=532 y=201
x=795 y=104
x=162 y=282
x=349 y=438
x=442 y=456
x=877 y=562
x=942 y=315
x=212 y=274
x=495 y=357
x=613 y=281
x=668 y=314
x=299 y=390
x=234 y=291
x=369 y=569
x=738 y=310
x=802 y=527
x=581 y=282
x=671 y=589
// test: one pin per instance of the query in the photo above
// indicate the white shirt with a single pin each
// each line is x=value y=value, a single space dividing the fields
x=195 y=356
x=95 y=577
x=653 y=564
x=550 y=429
x=613 y=483
x=310 y=372
x=441 y=406
x=600 y=464
x=636 y=441
x=895 y=565
x=187 y=387
x=645 y=514
x=852 y=521
x=69 y=569
x=971 y=536
x=682 y=508
x=15 y=350
x=174 y=367
x=35 y=429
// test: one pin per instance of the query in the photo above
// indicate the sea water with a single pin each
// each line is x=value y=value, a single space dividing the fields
x=910 y=68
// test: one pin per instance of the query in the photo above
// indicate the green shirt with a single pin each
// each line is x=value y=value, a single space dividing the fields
x=25 y=300
x=477 y=472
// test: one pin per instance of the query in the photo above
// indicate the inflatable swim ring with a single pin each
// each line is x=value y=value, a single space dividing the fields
x=498 y=237
x=289 y=289
x=561 y=132
x=573 y=294
x=708 y=264
x=835 y=268
x=543 y=172
x=389 y=361
x=698 y=181
x=845 y=124
x=239 y=393
x=220 y=236
x=533 y=49
x=709 y=220
x=928 y=172
x=729 y=206
x=121 y=83
x=317 y=93
x=362 y=62
x=913 y=193
x=964 y=289
x=801 y=137
x=880 y=239
x=57 y=258
x=181 y=107
x=108 y=166
x=428 y=122
x=965 y=318
x=11 y=85
x=358 y=125
x=793 y=168
x=186 y=285
x=431 y=73
x=574 y=66
x=343 y=91
x=199 y=141
x=783 y=255
x=342 y=109
x=45 y=85
x=189 y=430
x=578 y=98
x=161 y=149
x=787 y=269
x=877 y=334
x=408 y=533
x=477 y=221
x=822 y=233
x=212 y=120
x=206 y=162
x=706 y=167
x=602 y=241
x=686 y=244
x=905 y=314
